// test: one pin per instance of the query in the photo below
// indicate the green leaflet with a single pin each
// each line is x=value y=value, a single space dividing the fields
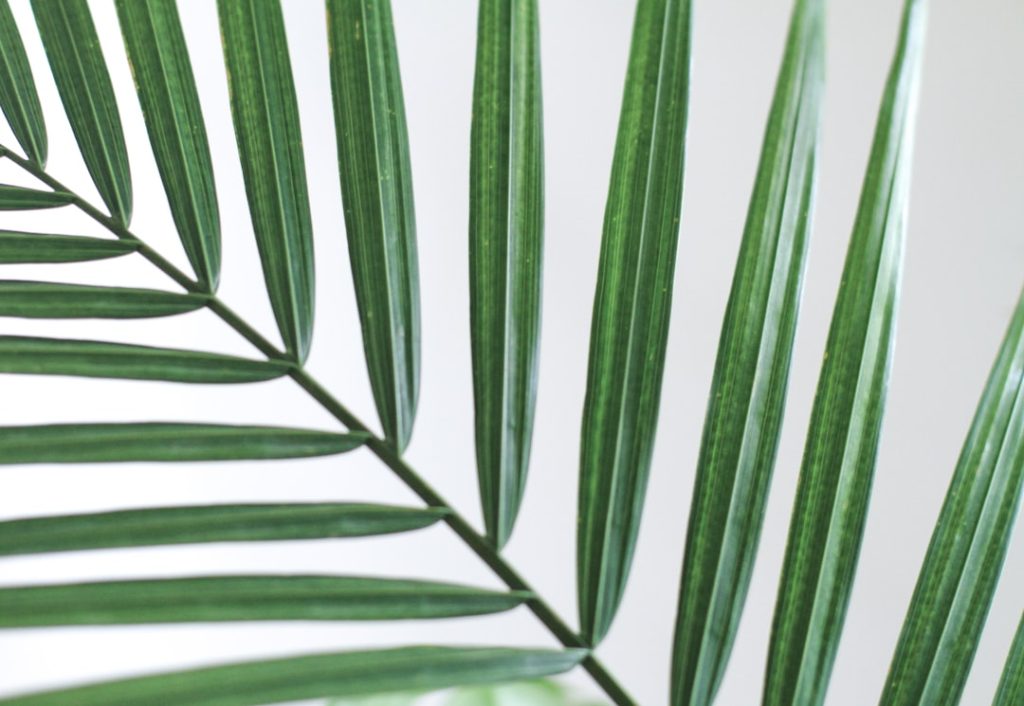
x=207 y=523
x=244 y=598
x=50 y=356
x=163 y=78
x=316 y=676
x=164 y=441
x=20 y=247
x=958 y=579
x=18 y=98
x=50 y=300
x=631 y=308
x=835 y=480
x=76 y=61
x=748 y=392
x=506 y=221
x=1011 y=686
x=19 y=198
x=266 y=117
x=376 y=188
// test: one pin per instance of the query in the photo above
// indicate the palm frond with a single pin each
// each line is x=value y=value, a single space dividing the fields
x=748 y=391
x=631 y=308
x=839 y=459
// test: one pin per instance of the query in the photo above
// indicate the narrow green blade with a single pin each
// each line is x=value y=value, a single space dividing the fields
x=80 y=72
x=97 y=359
x=18 y=98
x=631 y=308
x=244 y=598
x=51 y=300
x=165 y=441
x=842 y=444
x=266 y=117
x=958 y=579
x=19 y=198
x=21 y=247
x=376 y=187
x=315 y=677
x=160 y=63
x=208 y=523
x=1011 y=686
x=748 y=391
x=506 y=221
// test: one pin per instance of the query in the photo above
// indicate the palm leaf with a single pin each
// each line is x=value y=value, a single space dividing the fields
x=631 y=308
x=315 y=676
x=50 y=300
x=748 y=391
x=1011 y=686
x=958 y=579
x=376 y=187
x=244 y=598
x=506 y=222
x=159 y=58
x=76 y=61
x=207 y=523
x=266 y=117
x=835 y=480
x=18 y=98
x=20 y=198
x=164 y=441
x=21 y=247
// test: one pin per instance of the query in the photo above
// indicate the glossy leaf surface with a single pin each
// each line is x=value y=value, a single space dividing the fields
x=50 y=356
x=316 y=676
x=206 y=523
x=958 y=579
x=243 y=598
x=21 y=247
x=748 y=391
x=266 y=117
x=51 y=300
x=160 y=64
x=20 y=198
x=631 y=308
x=165 y=441
x=376 y=188
x=18 y=98
x=839 y=459
x=78 y=67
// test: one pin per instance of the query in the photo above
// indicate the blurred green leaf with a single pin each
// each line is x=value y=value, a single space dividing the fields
x=1011 y=686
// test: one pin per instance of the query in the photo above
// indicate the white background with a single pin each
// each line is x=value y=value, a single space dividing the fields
x=964 y=272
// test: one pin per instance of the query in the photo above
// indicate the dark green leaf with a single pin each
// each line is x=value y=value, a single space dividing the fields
x=316 y=676
x=49 y=356
x=376 y=187
x=49 y=300
x=19 y=247
x=18 y=98
x=839 y=460
x=164 y=441
x=506 y=220
x=958 y=579
x=1011 y=686
x=748 y=392
x=244 y=598
x=266 y=117
x=76 y=61
x=19 y=198
x=632 y=307
x=163 y=77
x=209 y=523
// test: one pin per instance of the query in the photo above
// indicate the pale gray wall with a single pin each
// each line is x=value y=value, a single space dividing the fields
x=964 y=272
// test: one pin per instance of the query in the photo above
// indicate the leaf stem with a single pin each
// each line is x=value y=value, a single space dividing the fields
x=380 y=448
